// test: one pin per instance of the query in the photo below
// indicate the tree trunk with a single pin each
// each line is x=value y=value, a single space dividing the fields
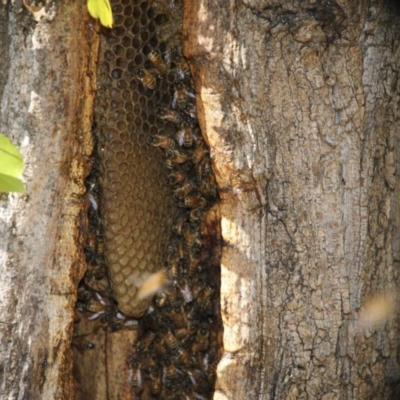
x=300 y=105
x=46 y=107
x=299 y=102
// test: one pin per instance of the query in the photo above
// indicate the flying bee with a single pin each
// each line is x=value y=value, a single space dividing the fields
x=152 y=285
x=184 y=189
x=145 y=342
x=169 y=115
x=182 y=96
x=171 y=340
x=157 y=62
x=161 y=141
x=198 y=153
x=82 y=343
x=193 y=202
x=146 y=78
x=185 y=136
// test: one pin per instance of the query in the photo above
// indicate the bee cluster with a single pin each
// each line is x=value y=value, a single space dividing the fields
x=147 y=103
x=177 y=356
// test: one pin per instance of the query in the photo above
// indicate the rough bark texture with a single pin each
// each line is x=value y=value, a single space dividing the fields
x=300 y=105
x=44 y=67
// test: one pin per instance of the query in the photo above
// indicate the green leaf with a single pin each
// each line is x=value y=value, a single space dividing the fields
x=11 y=167
x=101 y=9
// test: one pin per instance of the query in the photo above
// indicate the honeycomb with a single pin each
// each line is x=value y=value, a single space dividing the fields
x=137 y=206
x=151 y=197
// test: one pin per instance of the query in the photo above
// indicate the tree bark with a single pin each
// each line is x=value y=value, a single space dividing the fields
x=46 y=107
x=300 y=104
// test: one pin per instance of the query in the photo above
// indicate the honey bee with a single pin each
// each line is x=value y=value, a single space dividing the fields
x=190 y=110
x=195 y=215
x=169 y=115
x=83 y=294
x=171 y=341
x=82 y=343
x=176 y=315
x=183 y=356
x=180 y=221
x=177 y=157
x=158 y=62
x=135 y=375
x=182 y=96
x=193 y=202
x=156 y=382
x=101 y=284
x=183 y=190
x=170 y=372
x=199 y=381
x=193 y=265
x=185 y=290
x=145 y=342
x=176 y=177
x=191 y=237
x=199 y=153
x=207 y=292
x=185 y=333
x=96 y=305
x=182 y=64
x=91 y=242
x=203 y=168
x=159 y=346
x=174 y=268
x=202 y=339
x=185 y=136
x=161 y=141
x=146 y=78
x=211 y=371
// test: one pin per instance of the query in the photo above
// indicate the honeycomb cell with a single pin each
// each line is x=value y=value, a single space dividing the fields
x=118 y=31
x=116 y=73
x=118 y=50
x=128 y=11
x=126 y=42
x=121 y=62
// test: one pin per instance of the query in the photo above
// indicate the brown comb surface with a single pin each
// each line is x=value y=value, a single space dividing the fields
x=137 y=206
